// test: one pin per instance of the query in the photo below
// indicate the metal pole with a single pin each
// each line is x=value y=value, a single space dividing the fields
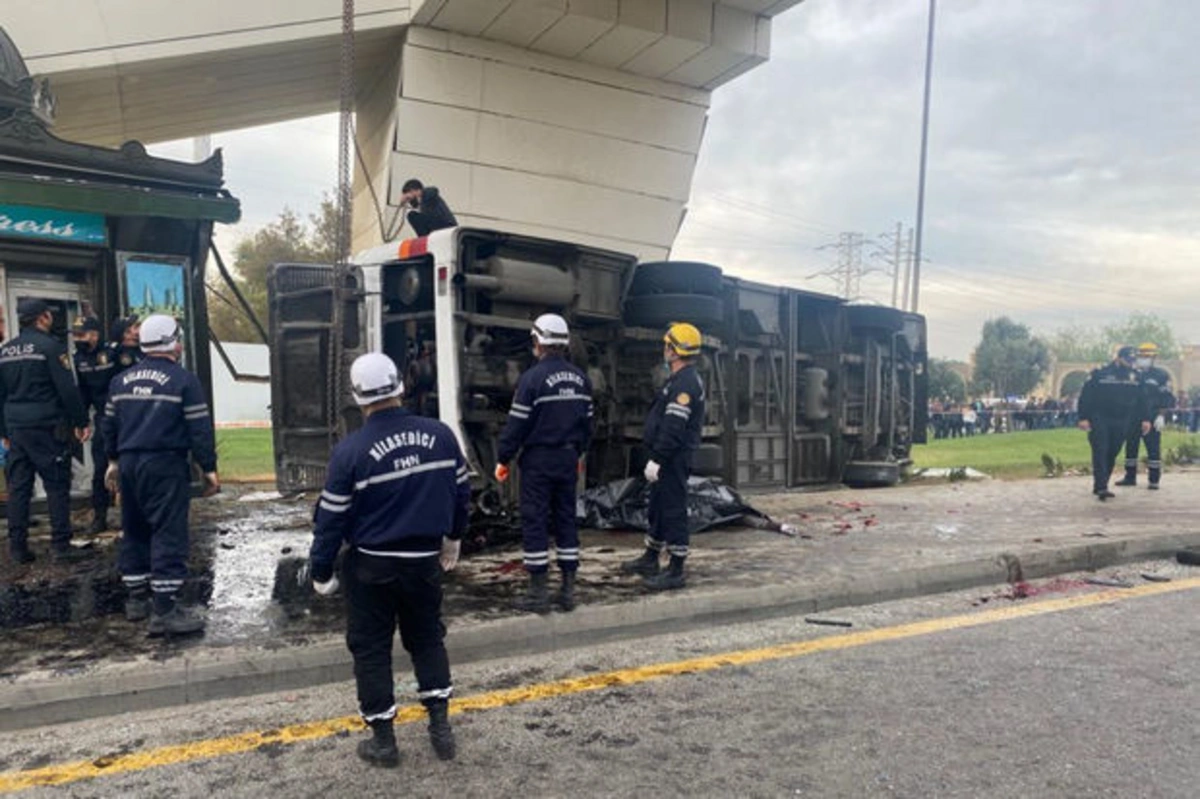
x=896 y=269
x=916 y=284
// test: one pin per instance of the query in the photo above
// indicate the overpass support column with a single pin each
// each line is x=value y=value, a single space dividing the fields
x=529 y=141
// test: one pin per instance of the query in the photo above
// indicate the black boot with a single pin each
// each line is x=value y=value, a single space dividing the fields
x=380 y=749
x=537 y=596
x=668 y=580
x=1130 y=479
x=566 y=594
x=99 y=523
x=440 y=734
x=171 y=618
x=21 y=553
x=138 y=604
x=645 y=564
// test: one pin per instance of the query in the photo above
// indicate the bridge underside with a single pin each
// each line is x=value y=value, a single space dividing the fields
x=576 y=119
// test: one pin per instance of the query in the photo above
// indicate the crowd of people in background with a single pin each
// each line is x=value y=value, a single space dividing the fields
x=981 y=416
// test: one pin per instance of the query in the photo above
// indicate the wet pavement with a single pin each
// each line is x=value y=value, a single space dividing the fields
x=248 y=544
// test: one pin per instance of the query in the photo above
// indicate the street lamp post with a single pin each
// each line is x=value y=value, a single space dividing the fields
x=916 y=266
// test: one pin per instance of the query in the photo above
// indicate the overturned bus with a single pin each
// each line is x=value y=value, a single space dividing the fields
x=803 y=388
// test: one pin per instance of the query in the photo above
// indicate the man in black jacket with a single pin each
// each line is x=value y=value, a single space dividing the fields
x=40 y=412
x=94 y=368
x=430 y=211
x=1111 y=401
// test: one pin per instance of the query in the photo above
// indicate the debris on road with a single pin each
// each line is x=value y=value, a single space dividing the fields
x=828 y=622
x=1155 y=578
x=1108 y=582
x=1189 y=557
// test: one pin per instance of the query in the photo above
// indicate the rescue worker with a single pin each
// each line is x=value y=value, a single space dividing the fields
x=1110 y=401
x=672 y=434
x=94 y=369
x=123 y=349
x=429 y=211
x=40 y=413
x=550 y=424
x=1159 y=398
x=397 y=492
x=156 y=413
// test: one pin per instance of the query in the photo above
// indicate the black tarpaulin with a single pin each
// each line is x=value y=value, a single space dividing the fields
x=623 y=504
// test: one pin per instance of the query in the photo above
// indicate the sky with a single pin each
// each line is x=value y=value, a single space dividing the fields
x=1064 y=159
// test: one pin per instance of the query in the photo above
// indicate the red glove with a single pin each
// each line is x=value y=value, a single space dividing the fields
x=501 y=472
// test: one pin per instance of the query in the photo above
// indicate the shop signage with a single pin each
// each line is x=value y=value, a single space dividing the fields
x=23 y=221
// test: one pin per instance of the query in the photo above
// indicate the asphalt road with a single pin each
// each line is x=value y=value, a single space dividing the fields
x=945 y=696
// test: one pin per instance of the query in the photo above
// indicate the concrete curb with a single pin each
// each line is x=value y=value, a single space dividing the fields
x=223 y=674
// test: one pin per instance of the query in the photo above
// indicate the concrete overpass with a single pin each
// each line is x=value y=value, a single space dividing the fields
x=576 y=119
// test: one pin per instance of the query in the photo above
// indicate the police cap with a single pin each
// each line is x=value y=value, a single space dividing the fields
x=85 y=324
x=31 y=308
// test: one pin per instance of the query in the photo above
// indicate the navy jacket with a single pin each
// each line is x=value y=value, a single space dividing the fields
x=37 y=388
x=551 y=408
x=124 y=357
x=158 y=406
x=95 y=369
x=1113 y=393
x=395 y=488
x=1156 y=388
x=677 y=416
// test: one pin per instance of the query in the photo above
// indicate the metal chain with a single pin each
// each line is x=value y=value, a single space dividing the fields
x=341 y=266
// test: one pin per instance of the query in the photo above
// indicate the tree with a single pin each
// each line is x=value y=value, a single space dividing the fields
x=286 y=240
x=1076 y=344
x=1009 y=360
x=945 y=382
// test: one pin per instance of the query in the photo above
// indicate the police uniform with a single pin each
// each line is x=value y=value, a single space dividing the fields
x=39 y=409
x=1111 y=401
x=155 y=415
x=550 y=424
x=394 y=489
x=123 y=355
x=672 y=434
x=1158 y=397
x=94 y=369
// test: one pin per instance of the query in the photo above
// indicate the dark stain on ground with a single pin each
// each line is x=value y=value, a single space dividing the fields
x=506 y=681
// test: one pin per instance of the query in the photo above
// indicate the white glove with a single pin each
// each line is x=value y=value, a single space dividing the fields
x=327 y=589
x=652 y=470
x=449 y=556
x=1159 y=422
x=112 y=477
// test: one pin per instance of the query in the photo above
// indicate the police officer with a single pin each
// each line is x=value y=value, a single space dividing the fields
x=1156 y=387
x=94 y=369
x=672 y=434
x=397 y=492
x=123 y=349
x=40 y=410
x=1110 y=402
x=550 y=424
x=156 y=413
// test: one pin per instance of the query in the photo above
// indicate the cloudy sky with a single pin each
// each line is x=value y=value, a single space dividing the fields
x=1064 y=158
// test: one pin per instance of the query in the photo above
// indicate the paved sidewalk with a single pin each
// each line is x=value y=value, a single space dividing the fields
x=855 y=547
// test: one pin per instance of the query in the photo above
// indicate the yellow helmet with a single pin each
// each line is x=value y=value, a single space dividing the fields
x=1148 y=349
x=684 y=339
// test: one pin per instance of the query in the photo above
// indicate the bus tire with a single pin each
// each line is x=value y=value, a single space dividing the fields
x=660 y=310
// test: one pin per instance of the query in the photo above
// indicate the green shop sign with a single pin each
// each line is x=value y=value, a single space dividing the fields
x=24 y=221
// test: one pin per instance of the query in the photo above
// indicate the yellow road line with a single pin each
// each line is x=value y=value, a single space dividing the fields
x=295 y=733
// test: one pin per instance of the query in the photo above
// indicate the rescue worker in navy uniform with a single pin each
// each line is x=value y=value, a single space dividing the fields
x=94 y=369
x=123 y=346
x=1159 y=398
x=40 y=412
x=155 y=415
x=1111 y=400
x=550 y=424
x=672 y=434
x=397 y=492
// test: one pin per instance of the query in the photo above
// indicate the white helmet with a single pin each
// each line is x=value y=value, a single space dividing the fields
x=159 y=333
x=373 y=377
x=551 y=329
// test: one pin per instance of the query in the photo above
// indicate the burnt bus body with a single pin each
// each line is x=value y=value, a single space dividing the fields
x=803 y=388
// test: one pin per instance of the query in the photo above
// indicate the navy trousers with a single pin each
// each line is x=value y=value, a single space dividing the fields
x=38 y=452
x=668 y=508
x=548 y=479
x=384 y=593
x=1106 y=438
x=155 y=494
x=1153 y=441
